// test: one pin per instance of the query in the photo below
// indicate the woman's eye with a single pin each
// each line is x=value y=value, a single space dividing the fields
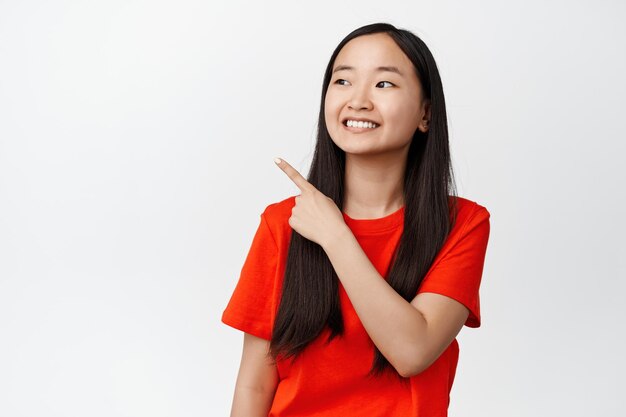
x=385 y=82
x=341 y=81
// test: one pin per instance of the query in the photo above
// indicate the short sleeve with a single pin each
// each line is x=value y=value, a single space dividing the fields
x=250 y=306
x=458 y=273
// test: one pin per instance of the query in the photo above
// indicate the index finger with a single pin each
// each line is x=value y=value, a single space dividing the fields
x=293 y=174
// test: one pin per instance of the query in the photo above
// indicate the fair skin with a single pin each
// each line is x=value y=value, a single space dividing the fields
x=411 y=335
x=257 y=380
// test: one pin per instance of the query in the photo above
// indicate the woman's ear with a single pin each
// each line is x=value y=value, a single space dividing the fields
x=424 y=123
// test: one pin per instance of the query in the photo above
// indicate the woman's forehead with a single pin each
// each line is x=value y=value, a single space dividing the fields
x=370 y=52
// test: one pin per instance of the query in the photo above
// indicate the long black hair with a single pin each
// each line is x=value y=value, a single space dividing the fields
x=310 y=297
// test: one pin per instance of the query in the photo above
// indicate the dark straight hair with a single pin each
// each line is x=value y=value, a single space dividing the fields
x=310 y=297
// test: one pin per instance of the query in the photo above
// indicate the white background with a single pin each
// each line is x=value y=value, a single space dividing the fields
x=136 y=147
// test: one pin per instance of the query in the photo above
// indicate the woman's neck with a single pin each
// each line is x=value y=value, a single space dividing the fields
x=374 y=187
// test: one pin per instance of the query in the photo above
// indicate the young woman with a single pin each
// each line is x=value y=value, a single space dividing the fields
x=353 y=291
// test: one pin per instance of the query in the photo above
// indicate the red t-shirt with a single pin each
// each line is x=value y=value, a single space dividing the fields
x=330 y=379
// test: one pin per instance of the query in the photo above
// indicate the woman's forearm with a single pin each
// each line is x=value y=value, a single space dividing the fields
x=248 y=402
x=396 y=327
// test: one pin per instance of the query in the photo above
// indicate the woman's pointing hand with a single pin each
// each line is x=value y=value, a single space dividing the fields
x=315 y=216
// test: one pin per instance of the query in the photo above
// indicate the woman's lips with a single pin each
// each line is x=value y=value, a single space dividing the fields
x=359 y=129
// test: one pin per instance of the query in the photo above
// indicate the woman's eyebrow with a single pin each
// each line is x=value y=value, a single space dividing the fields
x=379 y=69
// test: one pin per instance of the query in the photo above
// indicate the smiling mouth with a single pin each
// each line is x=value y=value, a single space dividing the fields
x=359 y=123
x=359 y=126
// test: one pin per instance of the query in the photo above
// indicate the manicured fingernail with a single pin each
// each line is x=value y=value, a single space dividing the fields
x=277 y=160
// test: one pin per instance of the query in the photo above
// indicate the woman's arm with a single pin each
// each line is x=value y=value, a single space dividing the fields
x=410 y=335
x=257 y=379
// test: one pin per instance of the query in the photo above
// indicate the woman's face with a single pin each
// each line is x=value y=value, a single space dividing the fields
x=373 y=80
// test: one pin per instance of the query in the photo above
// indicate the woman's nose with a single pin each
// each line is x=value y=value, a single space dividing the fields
x=360 y=99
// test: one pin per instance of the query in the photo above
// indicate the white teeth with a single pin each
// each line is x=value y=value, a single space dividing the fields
x=361 y=124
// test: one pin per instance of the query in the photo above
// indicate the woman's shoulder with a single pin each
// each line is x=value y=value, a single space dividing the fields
x=277 y=214
x=279 y=210
x=472 y=221
x=466 y=208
